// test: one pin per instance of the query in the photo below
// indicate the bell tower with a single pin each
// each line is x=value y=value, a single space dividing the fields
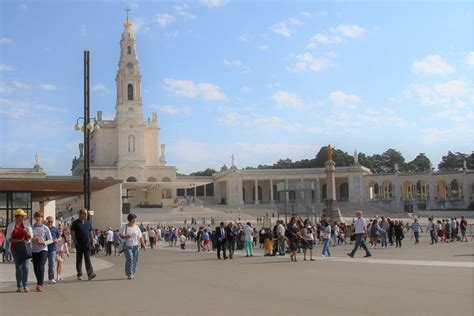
x=128 y=78
x=128 y=108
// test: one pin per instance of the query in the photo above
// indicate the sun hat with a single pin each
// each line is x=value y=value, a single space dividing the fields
x=19 y=212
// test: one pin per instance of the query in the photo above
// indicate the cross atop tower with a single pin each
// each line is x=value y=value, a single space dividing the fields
x=127 y=9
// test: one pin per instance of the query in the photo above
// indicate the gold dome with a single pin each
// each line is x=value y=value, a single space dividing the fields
x=127 y=24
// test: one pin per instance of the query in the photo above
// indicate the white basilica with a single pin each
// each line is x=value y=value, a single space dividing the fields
x=128 y=147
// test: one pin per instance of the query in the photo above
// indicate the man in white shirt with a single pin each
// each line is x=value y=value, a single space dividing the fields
x=359 y=234
x=110 y=241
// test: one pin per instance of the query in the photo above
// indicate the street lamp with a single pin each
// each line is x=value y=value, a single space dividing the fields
x=87 y=128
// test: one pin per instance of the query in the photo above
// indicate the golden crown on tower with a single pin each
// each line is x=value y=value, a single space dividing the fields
x=127 y=24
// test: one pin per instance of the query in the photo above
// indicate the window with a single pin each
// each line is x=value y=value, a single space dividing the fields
x=129 y=50
x=130 y=91
x=131 y=143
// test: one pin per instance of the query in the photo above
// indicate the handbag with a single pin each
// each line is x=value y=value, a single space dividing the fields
x=23 y=250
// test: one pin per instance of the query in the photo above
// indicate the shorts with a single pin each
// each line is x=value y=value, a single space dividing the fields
x=206 y=242
x=463 y=232
x=60 y=257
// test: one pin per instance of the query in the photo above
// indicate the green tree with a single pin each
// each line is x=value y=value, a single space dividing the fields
x=208 y=172
x=453 y=161
x=391 y=157
x=224 y=168
x=421 y=163
x=367 y=161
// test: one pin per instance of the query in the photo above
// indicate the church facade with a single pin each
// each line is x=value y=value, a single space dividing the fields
x=128 y=147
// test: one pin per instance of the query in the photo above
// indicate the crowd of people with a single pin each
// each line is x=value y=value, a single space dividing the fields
x=42 y=242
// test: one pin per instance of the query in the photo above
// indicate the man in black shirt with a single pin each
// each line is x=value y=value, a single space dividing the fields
x=81 y=232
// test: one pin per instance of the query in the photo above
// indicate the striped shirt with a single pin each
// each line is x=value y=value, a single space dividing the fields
x=416 y=227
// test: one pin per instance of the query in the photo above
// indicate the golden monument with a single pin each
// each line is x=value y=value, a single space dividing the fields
x=330 y=151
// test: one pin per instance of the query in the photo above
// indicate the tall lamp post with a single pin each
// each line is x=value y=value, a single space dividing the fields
x=87 y=129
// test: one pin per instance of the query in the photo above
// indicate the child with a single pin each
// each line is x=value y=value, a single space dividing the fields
x=268 y=243
x=205 y=238
x=182 y=241
x=61 y=250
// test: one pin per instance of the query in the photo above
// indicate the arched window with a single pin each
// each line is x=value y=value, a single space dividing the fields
x=129 y=50
x=131 y=143
x=131 y=179
x=130 y=91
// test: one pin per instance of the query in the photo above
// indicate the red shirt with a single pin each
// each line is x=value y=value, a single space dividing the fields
x=19 y=234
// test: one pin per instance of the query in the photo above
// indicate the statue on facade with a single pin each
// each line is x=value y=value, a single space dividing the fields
x=233 y=161
x=163 y=149
x=464 y=165
x=81 y=150
x=37 y=159
x=356 y=158
x=330 y=151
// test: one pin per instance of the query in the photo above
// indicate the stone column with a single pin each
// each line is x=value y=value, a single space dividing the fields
x=287 y=192
x=331 y=212
x=256 y=191
x=271 y=192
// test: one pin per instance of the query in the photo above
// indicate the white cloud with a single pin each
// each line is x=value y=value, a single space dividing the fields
x=431 y=136
x=5 y=88
x=21 y=85
x=321 y=38
x=454 y=93
x=295 y=21
x=100 y=87
x=263 y=47
x=282 y=150
x=281 y=29
x=183 y=10
x=383 y=118
x=244 y=118
x=5 y=40
x=139 y=25
x=189 y=89
x=47 y=87
x=23 y=7
x=306 y=14
x=164 y=19
x=341 y=98
x=349 y=31
x=470 y=59
x=336 y=35
x=172 y=110
x=287 y=99
x=432 y=64
x=17 y=109
x=213 y=3
x=4 y=67
x=236 y=63
x=308 y=61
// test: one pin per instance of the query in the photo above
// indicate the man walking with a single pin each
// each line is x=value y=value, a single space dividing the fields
x=82 y=234
x=432 y=230
x=230 y=232
x=416 y=227
x=281 y=238
x=110 y=241
x=383 y=232
x=221 y=240
x=360 y=234
x=56 y=237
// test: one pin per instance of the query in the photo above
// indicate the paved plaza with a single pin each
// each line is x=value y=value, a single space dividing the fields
x=413 y=280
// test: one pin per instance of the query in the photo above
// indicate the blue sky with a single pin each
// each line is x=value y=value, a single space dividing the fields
x=259 y=79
